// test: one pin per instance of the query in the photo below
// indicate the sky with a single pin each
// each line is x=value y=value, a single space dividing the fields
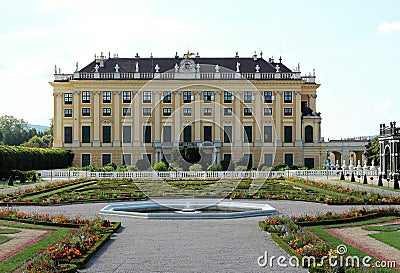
x=354 y=47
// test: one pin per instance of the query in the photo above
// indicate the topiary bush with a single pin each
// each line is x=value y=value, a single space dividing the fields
x=214 y=168
x=365 y=179
x=196 y=168
x=142 y=164
x=380 y=183
x=353 y=179
x=342 y=176
x=241 y=168
x=160 y=167
x=10 y=181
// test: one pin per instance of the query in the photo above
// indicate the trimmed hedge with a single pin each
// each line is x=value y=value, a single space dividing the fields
x=25 y=159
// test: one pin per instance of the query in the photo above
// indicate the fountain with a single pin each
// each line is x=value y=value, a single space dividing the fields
x=189 y=210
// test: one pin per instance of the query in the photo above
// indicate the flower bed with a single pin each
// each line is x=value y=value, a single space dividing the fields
x=87 y=236
x=294 y=238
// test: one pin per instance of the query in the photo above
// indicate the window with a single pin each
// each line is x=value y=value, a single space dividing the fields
x=309 y=163
x=126 y=97
x=268 y=159
x=227 y=134
x=287 y=97
x=247 y=111
x=126 y=134
x=267 y=111
x=289 y=159
x=146 y=97
x=166 y=111
x=308 y=134
x=267 y=96
x=85 y=134
x=207 y=95
x=67 y=134
x=146 y=112
x=227 y=97
x=248 y=97
x=249 y=158
x=167 y=97
x=147 y=157
x=267 y=133
x=166 y=134
x=187 y=134
x=86 y=112
x=227 y=111
x=85 y=160
x=287 y=111
x=248 y=134
x=105 y=159
x=106 y=112
x=227 y=157
x=85 y=97
x=106 y=96
x=67 y=98
x=126 y=112
x=106 y=134
x=287 y=134
x=127 y=159
x=147 y=134
x=187 y=96
x=208 y=133
x=187 y=112
x=68 y=113
x=207 y=111
x=303 y=106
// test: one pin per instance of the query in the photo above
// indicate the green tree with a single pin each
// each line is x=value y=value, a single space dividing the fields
x=15 y=131
x=372 y=151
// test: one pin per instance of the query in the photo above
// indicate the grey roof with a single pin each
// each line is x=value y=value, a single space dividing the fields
x=126 y=65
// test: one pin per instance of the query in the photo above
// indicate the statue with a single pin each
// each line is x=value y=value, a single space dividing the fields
x=176 y=68
x=116 y=68
x=76 y=67
x=157 y=68
x=277 y=68
x=197 y=68
x=257 y=68
x=96 y=68
x=137 y=67
x=55 y=69
x=237 y=67
x=216 y=68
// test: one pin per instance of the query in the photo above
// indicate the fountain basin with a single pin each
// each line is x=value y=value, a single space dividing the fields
x=189 y=210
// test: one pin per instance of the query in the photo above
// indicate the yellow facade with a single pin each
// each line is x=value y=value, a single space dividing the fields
x=290 y=93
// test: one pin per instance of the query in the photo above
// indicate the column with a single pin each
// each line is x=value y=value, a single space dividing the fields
x=278 y=117
x=177 y=118
x=217 y=108
x=136 y=118
x=96 y=119
x=58 y=140
x=157 y=118
x=237 y=124
x=117 y=114
x=312 y=102
x=197 y=110
x=257 y=124
x=76 y=129
x=297 y=113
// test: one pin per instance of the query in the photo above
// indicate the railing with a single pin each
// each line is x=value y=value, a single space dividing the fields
x=172 y=75
x=66 y=174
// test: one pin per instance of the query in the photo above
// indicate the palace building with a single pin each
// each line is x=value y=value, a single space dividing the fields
x=124 y=109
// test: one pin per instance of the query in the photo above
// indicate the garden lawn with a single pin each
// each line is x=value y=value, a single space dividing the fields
x=388 y=237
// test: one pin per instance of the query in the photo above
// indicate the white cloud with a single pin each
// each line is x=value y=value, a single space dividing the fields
x=388 y=28
x=383 y=106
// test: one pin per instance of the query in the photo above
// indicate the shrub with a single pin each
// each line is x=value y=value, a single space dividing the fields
x=396 y=182
x=240 y=168
x=365 y=179
x=380 y=183
x=342 y=176
x=281 y=167
x=160 y=167
x=132 y=168
x=10 y=181
x=195 y=168
x=353 y=179
x=227 y=165
x=214 y=167
x=175 y=167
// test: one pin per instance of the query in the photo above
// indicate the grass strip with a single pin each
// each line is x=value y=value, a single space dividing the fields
x=22 y=257
x=4 y=239
x=390 y=238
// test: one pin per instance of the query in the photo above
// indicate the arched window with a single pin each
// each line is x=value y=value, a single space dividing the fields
x=308 y=134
